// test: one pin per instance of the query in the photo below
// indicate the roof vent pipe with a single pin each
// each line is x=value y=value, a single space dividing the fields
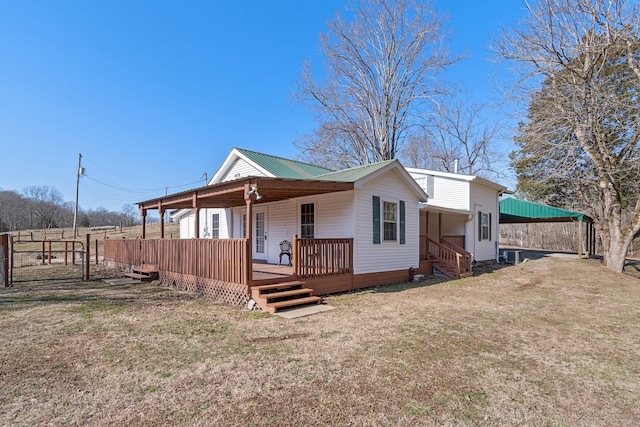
x=455 y=166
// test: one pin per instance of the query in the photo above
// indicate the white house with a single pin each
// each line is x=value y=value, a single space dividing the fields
x=350 y=229
x=240 y=163
x=462 y=209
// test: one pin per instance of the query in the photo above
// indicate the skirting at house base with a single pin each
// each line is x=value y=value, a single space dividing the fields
x=234 y=294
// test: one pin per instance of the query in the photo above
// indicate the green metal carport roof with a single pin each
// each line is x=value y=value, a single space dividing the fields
x=521 y=211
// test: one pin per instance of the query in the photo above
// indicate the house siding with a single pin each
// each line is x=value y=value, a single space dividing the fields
x=333 y=219
x=386 y=256
x=449 y=192
x=240 y=169
x=484 y=199
x=206 y=220
x=187 y=229
x=454 y=225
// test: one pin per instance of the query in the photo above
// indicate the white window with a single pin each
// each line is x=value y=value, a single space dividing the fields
x=307 y=221
x=390 y=221
x=215 y=226
x=244 y=226
x=484 y=226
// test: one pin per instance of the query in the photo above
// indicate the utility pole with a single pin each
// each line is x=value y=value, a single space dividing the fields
x=75 y=212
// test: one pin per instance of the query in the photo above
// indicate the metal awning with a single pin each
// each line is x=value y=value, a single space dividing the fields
x=514 y=211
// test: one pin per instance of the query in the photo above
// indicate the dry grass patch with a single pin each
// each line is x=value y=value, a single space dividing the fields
x=548 y=342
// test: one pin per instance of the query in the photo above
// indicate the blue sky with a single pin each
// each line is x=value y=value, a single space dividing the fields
x=154 y=94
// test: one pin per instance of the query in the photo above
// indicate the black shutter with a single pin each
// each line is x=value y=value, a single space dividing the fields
x=479 y=226
x=376 y=220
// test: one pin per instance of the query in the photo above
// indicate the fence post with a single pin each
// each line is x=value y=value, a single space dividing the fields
x=4 y=259
x=96 y=251
x=87 y=260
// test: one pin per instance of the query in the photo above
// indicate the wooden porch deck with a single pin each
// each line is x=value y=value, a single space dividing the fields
x=264 y=271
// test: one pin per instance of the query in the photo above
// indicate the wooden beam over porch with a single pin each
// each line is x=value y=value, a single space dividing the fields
x=234 y=194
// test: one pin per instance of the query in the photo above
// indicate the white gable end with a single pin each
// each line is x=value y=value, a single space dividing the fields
x=240 y=168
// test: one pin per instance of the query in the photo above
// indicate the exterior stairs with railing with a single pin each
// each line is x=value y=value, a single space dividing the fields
x=278 y=296
x=451 y=260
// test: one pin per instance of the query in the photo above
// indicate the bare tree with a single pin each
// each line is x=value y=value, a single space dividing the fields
x=581 y=137
x=45 y=204
x=130 y=215
x=456 y=138
x=381 y=73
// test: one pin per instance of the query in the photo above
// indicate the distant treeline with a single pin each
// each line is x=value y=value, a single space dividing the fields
x=42 y=207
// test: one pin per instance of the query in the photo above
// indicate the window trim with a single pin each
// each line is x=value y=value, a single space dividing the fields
x=304 y=216
x=484 y=226
x=215 y=231
x=385 y=221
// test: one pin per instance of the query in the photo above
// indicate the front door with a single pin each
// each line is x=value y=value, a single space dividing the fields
x=260 y=239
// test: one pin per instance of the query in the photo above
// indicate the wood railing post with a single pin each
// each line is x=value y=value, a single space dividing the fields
x=296 y=255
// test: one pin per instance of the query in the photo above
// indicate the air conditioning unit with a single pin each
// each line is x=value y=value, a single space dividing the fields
x=512 y=257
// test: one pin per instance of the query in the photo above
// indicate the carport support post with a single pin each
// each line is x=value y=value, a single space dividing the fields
x=580 y=238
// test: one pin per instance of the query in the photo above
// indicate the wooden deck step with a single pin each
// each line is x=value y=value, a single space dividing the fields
x=450 y=273
x=141 y=277
x=283 y=294
x=276 y=286
x=260 y=292
x=145 y=272
x=272 y=307
x=279 y=295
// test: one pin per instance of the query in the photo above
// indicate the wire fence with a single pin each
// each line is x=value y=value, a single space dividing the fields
x=46 y=260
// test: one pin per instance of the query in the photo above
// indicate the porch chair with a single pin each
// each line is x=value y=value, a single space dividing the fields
x=285 y=249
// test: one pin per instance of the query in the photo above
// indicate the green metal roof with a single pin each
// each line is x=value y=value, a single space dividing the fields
x=284 y=168
x=353 y=174
x=521 y=211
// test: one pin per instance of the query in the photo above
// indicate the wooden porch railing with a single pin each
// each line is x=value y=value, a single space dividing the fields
x=466 y=259
x=453 y=257
x=219 y=259
x=322 y=257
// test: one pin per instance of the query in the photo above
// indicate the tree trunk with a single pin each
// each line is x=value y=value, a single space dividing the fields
x=615 y=255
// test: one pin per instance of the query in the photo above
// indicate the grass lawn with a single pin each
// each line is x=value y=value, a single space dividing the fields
x=553 y=342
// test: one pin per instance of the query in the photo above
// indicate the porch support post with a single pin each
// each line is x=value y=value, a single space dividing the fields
x=196 y=222
x=427 y=223
x=161 y=212
x=143 y=216
x=248 y=264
